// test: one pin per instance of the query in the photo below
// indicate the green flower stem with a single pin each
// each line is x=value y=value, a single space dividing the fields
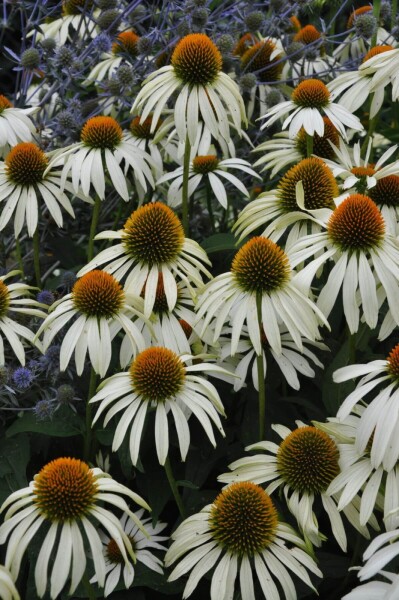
x=394 y=10
x=88 y=431
x=261 y=376
x=186 y=166
x=309 y=145
x=18 y=252
x=372 y=125
x=376 y=14
x=173 y=487
x=36 y=258
x=93 y=228
x=209 y=205
x=91 y=595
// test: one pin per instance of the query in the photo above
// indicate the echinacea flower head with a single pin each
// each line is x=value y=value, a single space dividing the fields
x=126 y=42
x=385 y=194
x=75 y=7
x=159 y=378
x=15 y=298
x=103 y=146
x=309 y=101
x=260 y=274
x=307 y=35
x=359 y=480
x=240 y=532
x=280 y=209
x=303 y=465
x=102 y=308
x=365 y=256
x=282 y=151
x=379 y=423
x=142 y=544
x=26 y=178
x=8 y=591
x=215 y=171
x=66 y=496
x=263 y=59
x=15 y=125
x=152 y=242
x=205 y=92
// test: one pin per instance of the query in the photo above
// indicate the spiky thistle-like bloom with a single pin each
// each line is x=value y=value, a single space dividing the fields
x=260 y=277
x=238 y=532
x=159 y=378
x=102 y=308
x=66 y=495
x=205 y=92
x=152 y=243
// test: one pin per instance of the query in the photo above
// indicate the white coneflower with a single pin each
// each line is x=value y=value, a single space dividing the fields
x=260 y=290
x=102 y=149
x=376 y=590
x=212 y=538
x=125 y=45
x=15 y=125
x=66 y=495
x=115 y=566
x=205 y=92
x=102 y=308
x=290 y=361
x=210 y=168
x=14 y=298
x=303 y=465
x=310 y=99
x=281 y=151
x=379 y=423
x=8 y=591
x=158 y=378
x=26 y=178
x=78 y=15
x=365 y=256
x=356 y=86
x=281 y=208
x=152 y=243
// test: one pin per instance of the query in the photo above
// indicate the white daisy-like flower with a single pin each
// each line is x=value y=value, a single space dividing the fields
x=214 y=171
x=159 y=378
x=152 y=242
x=102 y=149
x=124 y=46
x=78 y=15
x=303 y=465
x=142 y=137
x=175 y=329
x=290 y=361
x=377 y=557
x=356 y=86
x=260 y=290
x=365 y=255
x=15 y=125
x=263 y=58
x=358 y=476
x=382 y=67
x=376 y=590
x=13 y=299
x=66 y=495
x=379 y=423
x=26 y=178
x=211 y=538
x=8 y=591
x=355 y=170
x=312 y=61
x=281 y=151
x=142 y=544
x=310 y=99
x=281 y=208
x=205 y=92
x=102 y=308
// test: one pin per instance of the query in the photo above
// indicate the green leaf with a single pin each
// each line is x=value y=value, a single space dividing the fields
x=219 y=242
x=65 y=423
x=14 y=457
x=187 y=484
